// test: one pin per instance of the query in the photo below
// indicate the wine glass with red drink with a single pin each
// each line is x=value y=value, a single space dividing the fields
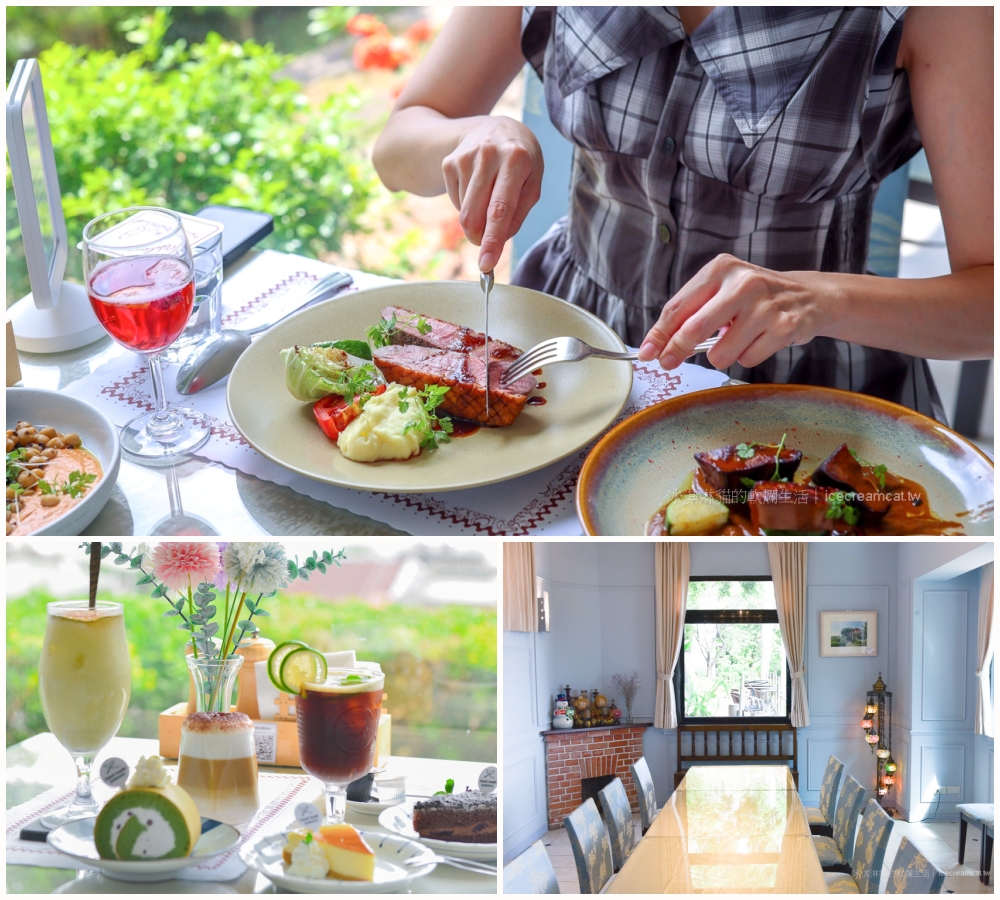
x=338 y=727
x=140 y=280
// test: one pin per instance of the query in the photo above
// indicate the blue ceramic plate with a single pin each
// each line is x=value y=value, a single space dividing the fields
x=634 y=468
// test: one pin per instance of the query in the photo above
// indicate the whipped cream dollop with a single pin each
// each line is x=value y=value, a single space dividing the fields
x=149 y=773
x=309 y=861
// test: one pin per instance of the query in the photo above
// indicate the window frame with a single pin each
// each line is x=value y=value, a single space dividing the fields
x=729 y=617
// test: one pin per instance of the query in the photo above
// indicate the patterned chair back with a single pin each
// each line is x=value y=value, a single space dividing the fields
x=531 y=873
x=591 y=847
x=643 y=781
x=828 y=790
x=869 y=848
x=913 y=873
x=618 y=818
x=846 y=821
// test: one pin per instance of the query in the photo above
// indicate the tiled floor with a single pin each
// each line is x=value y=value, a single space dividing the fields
x=938 y=841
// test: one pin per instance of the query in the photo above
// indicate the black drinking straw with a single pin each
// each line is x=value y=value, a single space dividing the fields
x=95 y=571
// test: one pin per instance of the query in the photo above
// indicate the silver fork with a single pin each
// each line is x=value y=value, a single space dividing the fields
x=570 y=349
x=469 y=865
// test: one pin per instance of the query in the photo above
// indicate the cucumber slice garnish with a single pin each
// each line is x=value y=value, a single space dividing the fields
x=277 y=657
x=301 y=665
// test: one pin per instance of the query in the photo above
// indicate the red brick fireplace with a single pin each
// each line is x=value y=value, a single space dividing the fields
x=572 y=755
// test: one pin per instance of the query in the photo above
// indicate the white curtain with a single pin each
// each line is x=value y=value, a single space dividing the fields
x=673 y=566
x=984 y=706
x=788 y=569
x=519 y=612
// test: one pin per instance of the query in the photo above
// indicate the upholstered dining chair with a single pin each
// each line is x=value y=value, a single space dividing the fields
x=531 y=873
x=836 y=853
x=618 y=818
x=643 y=781
x=981 y=815
x=591 y=847
x=913 y=873
x=869 y=852
x=821 y=817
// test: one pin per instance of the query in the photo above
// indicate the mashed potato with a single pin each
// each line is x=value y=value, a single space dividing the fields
x=379 y=432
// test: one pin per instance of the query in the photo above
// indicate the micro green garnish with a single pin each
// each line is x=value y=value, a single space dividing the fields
x=746 y=451
x=359 y=381
x=777 y=459
x=878 y=472
x=433 y=430
x=449 y=787
x=748 y=482
x=308 y=838
x=380 y=335
x=353 y=679
x=78 y=483
x=44 y=487
x=838 y=506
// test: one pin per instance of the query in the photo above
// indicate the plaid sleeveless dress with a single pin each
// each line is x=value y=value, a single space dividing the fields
x=764 y=134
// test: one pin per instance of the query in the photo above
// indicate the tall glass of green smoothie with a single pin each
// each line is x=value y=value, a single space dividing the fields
x=84 y=678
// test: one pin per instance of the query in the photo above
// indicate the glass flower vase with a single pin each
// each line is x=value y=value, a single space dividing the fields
x=214 y=680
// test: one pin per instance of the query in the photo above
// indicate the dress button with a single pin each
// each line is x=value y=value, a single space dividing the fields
x=692 y=57
x=669 y=146
x=665 y=234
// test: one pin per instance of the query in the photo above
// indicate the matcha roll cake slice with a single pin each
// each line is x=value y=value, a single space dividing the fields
x=150 y=819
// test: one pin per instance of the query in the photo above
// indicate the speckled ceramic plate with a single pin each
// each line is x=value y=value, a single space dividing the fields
x=399 y=820
x=581 y=399
x=633 y=469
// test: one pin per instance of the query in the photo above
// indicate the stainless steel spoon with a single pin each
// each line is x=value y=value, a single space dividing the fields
x=486 y=283
x=214 y=359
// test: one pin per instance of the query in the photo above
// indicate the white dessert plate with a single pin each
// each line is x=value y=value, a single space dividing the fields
x=99 y=435
x=399 y=820
x=391 y=876
x=371 y=807
x=76 y=840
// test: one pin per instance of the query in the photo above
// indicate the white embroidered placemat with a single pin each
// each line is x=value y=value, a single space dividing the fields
x=539 y=503
x=279 y=795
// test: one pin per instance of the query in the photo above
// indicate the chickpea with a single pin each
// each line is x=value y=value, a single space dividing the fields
x=35 y=460
x=50 y=500
x=26 y=439
x=27 y=480
x=49 y=432
x=56 y=444
x=11 y=442
x=10 y=529
x=72 y=440
x=22 y=424
x=10 y=494
x=50 y=453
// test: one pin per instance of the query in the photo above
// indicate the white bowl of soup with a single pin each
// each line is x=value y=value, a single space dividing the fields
x=72 y=498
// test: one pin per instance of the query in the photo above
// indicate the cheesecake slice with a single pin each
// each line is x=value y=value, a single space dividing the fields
x=350 y=858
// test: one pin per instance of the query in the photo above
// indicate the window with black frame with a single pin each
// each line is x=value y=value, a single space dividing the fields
x=732 y=663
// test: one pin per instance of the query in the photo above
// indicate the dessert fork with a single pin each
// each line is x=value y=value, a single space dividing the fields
x=570 y=349
x=468 y=865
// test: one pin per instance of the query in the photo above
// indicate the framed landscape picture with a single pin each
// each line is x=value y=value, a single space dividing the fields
x=848 y=633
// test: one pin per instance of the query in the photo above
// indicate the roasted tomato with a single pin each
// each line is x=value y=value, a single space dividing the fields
x=333 y=413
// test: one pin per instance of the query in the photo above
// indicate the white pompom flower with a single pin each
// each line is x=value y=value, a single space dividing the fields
x=257 y=567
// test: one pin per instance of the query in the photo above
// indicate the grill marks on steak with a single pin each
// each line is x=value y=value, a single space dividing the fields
x=417 y=366
x=444 y=335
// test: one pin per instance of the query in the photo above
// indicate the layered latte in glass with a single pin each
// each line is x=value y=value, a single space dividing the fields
x=218 y=765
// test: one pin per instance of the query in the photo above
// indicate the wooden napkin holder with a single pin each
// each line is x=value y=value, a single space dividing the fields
x=283 y=727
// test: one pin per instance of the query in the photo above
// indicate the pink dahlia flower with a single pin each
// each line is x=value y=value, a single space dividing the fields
x=184 y=564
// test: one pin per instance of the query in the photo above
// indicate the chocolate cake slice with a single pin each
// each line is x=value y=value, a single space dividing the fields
x=469 y=818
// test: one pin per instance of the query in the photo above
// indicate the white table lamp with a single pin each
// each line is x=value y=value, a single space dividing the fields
x=56 y=315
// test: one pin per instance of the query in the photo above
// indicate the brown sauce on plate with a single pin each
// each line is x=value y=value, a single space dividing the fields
x=536 y=401
x=460 y=428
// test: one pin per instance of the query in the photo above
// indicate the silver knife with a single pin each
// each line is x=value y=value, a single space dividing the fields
x=486 y=283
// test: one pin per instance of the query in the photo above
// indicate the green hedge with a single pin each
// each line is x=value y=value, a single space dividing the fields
x=440 y=665
x=183 y=126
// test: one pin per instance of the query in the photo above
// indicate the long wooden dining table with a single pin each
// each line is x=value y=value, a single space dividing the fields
x=727 y=830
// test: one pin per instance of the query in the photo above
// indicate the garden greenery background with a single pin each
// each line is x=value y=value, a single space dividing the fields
x=141 y=114
x=440 y=664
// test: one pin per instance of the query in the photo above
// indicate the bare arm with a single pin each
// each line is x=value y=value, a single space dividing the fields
x=948 y=55
x=440 y=136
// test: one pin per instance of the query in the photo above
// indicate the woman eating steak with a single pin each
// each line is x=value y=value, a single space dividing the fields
x=726 y=162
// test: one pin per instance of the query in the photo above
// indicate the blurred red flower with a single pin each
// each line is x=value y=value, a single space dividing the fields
x=452 y=234
x=421 y=31
x=379 y=51
x=365 y=24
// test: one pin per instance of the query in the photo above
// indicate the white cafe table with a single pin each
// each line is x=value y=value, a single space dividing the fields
x=727 y=830
x=40 y=763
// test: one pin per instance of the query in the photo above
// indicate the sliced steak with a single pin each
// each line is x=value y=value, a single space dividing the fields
x=444 y=336
x=842 y=471
x=725 y=469
x=792 y=507
x=462 y=372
